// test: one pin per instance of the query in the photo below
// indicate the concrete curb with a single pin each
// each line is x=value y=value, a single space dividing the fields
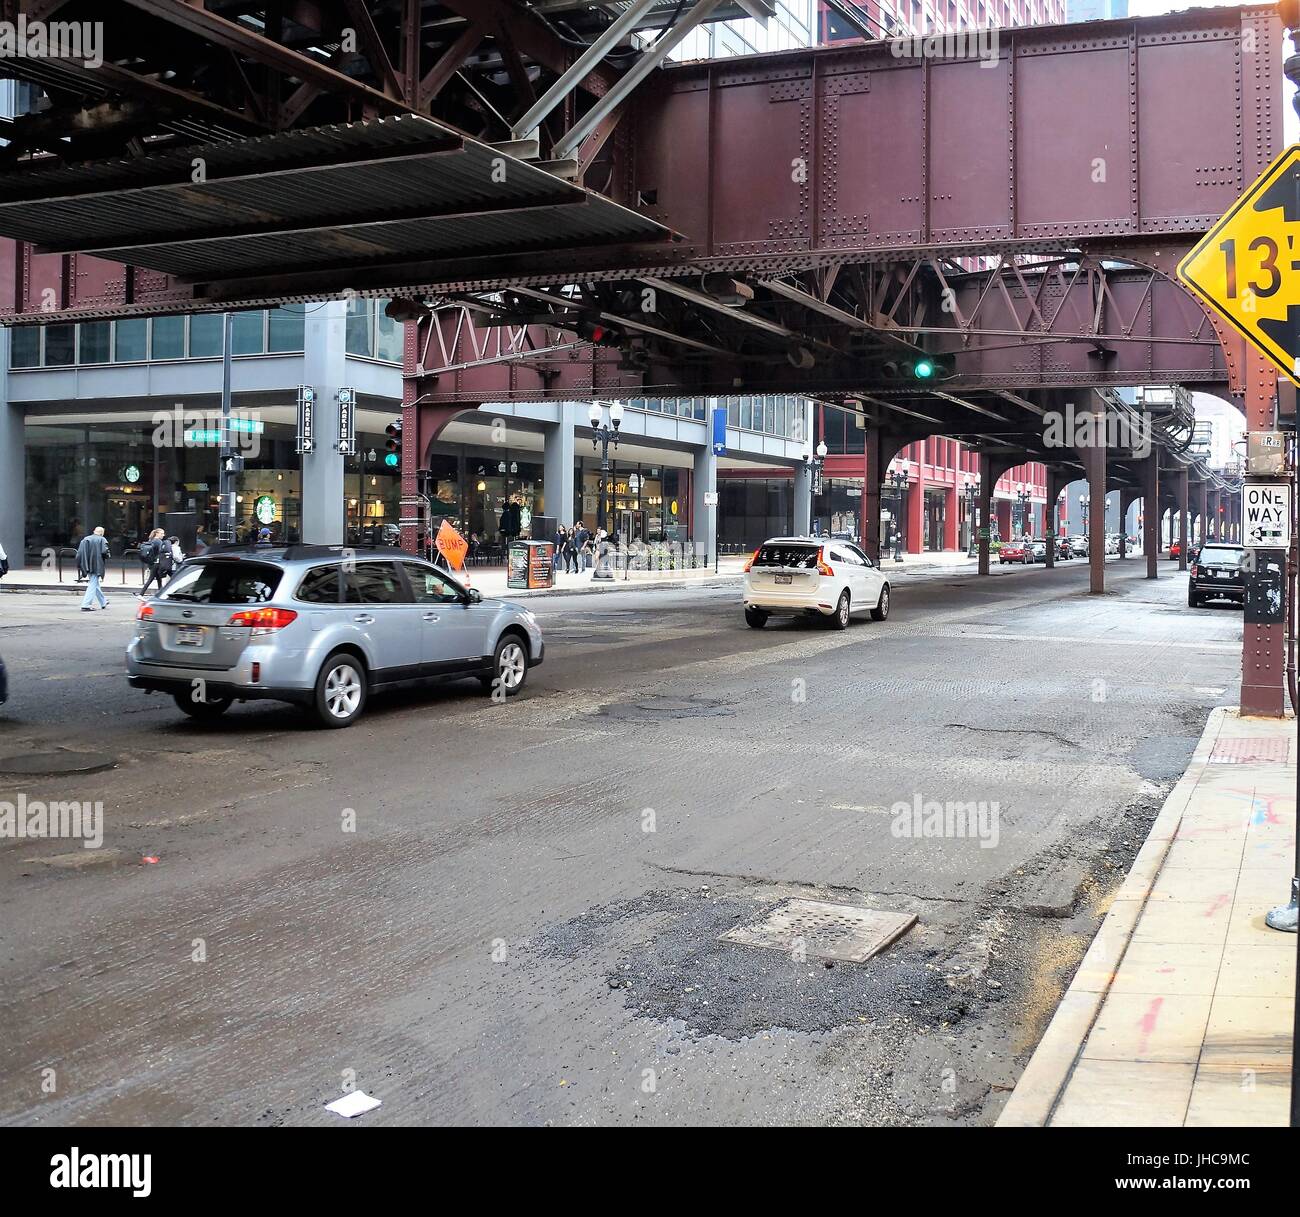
x=1044 y=1080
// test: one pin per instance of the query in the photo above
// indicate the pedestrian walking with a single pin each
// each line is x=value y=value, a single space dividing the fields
x=150 y=553
x=4 y=562
x=176 y=554
x=582 y=543
x=92 y=557
x=561 y=541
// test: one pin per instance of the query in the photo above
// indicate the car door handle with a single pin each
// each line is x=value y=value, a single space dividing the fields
x=430 y=617
x=364 y=619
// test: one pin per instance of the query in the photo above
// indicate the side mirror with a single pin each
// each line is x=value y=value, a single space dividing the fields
x=473 y=596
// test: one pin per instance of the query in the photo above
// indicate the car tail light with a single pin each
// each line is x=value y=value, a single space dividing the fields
x=752 y=559
x=264 y=620
x=144 y=612
x=823 y=567
x=1193 y=570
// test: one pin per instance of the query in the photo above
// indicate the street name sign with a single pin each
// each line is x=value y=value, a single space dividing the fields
x=1247 y=267
x=1265 y=515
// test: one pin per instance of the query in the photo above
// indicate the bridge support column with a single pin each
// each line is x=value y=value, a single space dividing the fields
x=558 y=458
x=1050 y=528
x=1126 y=500
x=1094 y=465
x=1151 y=512
x=324 y=368
x=704 y=518
x=13 y=479
x=987 y=478
x=1184 y=533
x=1263 y=640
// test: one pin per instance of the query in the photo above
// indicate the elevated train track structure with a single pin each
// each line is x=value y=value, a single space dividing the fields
x=560 y=212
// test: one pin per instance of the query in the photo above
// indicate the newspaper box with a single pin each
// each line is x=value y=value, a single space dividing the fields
x=530 y=564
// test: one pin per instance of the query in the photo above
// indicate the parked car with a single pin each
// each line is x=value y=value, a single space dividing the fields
x=1014 y=551
x=1217 y=574
x=1064 y=550
x=1112 y=542
x=811 y=576
x=1038 y=549
x=1079 y=546
x=1175 y=549
x=301 y=624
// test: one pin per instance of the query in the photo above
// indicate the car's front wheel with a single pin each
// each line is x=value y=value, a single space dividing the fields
x=881 y=611
x=840 y=618
x=202 y=708
x=509 y=667
x=756 y=619
x=340 y=691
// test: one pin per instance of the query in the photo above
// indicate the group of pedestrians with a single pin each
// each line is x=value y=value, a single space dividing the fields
x=160 y=555
x=575 y=547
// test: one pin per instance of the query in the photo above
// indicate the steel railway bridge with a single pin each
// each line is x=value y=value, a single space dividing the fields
x=559 y=212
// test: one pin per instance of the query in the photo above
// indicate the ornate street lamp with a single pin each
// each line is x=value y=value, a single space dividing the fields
x=897 y=480
x=1023 y=499
x=972 y=494
x=815 y=463
x=604 y=434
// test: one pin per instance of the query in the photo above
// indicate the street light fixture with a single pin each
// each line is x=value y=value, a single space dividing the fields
x=1024 y=497
x=604 y=434
x=897 y=481
x=972 y=492
x=815 y=463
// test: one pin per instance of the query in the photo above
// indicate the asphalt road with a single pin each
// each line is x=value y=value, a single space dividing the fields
x=511 y=913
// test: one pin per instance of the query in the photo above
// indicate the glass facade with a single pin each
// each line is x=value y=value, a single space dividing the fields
x=751 y=510
x=371 y=334
x=142 y=339
x=115 y=474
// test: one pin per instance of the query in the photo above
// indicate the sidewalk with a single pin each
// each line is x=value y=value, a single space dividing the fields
x=1181 y=1011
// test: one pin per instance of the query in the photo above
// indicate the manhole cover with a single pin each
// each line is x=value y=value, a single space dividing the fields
x=1248 y=749
x=666 y=708
x=31 y=763
x=828 y=931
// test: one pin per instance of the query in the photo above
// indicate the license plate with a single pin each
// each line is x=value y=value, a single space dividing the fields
x=785 y=578
x=189 y=635
x=1221 y=574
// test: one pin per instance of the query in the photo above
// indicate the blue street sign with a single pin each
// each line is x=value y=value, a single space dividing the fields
x=719 y=429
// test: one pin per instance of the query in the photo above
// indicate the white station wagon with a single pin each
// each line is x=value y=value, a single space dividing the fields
x=813 y=576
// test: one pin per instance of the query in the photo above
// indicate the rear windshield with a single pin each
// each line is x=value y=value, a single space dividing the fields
x=1217 y=555
x=802 y=556
x=224 y=583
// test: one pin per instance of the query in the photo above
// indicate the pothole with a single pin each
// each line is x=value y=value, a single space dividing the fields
x=655 y=709
x=32 y=764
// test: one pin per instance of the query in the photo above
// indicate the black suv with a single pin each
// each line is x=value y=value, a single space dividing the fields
x=1216 y=574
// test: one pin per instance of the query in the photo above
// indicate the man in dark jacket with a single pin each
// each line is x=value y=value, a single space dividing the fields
x=92 y=557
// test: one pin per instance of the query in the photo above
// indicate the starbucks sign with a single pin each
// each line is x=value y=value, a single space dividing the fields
x=264 y=509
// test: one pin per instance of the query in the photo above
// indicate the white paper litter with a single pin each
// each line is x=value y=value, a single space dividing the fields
x=354 y=1103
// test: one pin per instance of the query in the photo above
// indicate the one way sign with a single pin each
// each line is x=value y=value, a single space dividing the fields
x=1265 y=515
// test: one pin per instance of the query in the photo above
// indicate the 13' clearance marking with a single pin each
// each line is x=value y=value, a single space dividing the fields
x=1247 y=267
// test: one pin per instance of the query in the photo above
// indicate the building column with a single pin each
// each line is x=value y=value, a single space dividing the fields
x=324 y=368
x=1184 y=533
x=13 y=475
x=704 y=519
x=950 y=511
x=916 y=514
x=1052 y=490
x=1127 y=497
x=1151 y=512
x=559 y=455
x=803 y=481
x=873 y=463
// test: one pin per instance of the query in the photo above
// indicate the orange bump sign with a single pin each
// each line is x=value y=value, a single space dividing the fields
x=451 y=545
x=1247 y=267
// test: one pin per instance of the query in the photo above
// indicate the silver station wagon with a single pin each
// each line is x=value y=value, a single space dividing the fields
x=323 y=627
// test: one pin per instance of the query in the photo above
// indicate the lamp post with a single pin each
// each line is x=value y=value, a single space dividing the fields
x=972 y=493
x=1023 y=499
x=1083 y=515
x=634 y=495
x=816 y=462
x=604 y=434
x=897 y=480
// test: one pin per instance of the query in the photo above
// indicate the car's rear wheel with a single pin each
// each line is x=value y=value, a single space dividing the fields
x=509 y=666
x=756 y=619
x=340 y=691
x=881 y=611
x=1193 y=600
x=840 y=618
x=202 y=709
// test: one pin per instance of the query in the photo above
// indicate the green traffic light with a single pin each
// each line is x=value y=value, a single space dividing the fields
x=392 y=460
x=924 y=369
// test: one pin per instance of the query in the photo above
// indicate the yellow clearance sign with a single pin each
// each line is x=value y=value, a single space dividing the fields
x=1247 y=267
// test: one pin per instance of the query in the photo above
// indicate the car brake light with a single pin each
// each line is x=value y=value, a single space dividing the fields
x=144 y=612
x=1193 y=570
x=752 y=559
x=823 y=567
x=264 y=620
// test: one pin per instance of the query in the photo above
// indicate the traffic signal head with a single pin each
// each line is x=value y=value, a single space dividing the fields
x=393 y=457
x=923 y=369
